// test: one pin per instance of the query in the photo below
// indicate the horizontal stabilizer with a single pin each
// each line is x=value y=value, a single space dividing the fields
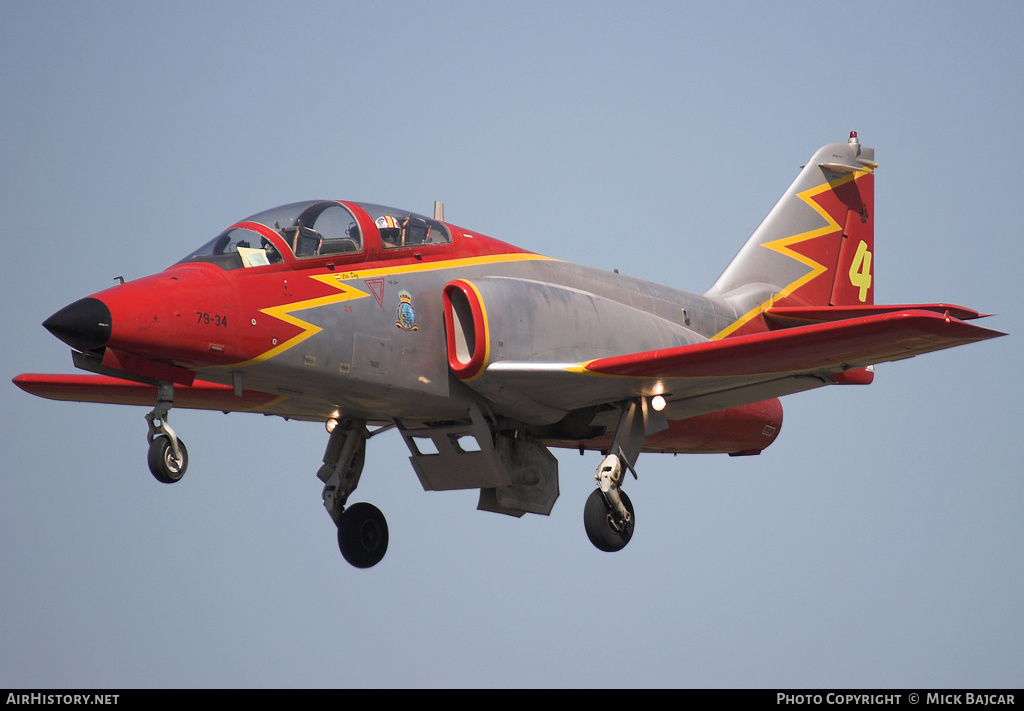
x=790 y=316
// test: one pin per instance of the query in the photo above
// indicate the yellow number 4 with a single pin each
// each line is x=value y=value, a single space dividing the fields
x=860 y=270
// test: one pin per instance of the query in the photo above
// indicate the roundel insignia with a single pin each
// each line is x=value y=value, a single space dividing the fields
x=406 y=313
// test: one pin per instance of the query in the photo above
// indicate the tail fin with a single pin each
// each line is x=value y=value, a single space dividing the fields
x=816 y=246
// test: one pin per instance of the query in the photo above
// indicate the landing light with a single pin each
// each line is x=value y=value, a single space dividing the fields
x=331 y=424
x=658 y=403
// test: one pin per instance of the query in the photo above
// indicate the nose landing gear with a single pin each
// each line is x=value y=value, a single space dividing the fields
x=168 y=458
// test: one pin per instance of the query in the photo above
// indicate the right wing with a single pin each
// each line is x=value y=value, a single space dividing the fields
x=714 y=375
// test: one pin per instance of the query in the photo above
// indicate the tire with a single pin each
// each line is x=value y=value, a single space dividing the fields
x=363 y=535
x=597 y=521
x=161 y=461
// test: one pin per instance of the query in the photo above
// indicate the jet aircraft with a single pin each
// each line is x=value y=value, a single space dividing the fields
x=483 y=355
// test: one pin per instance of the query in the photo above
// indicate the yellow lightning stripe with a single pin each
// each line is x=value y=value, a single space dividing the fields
x=283 y=312
x=447 y=264
x=782 y=246
x=350 y=293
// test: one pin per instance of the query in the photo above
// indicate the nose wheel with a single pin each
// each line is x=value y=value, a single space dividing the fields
x=166 y=466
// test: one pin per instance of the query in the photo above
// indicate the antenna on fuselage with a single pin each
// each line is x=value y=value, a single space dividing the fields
x=439 y=211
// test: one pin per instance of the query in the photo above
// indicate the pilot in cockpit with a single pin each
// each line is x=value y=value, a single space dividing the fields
x=390 y=230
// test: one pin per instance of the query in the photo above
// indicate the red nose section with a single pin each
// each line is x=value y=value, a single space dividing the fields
x=183 y=316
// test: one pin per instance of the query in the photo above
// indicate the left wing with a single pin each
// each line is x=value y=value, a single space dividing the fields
x=200 y=395
x=714 y=375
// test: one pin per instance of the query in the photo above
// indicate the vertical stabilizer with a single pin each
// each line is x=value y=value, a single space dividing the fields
x=816 y=246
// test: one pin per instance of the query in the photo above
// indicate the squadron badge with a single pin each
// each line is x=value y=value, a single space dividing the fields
x=406 y=313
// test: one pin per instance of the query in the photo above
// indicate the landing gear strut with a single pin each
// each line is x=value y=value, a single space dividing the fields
x=608 y=514
x=168 y=458
x=362 y=528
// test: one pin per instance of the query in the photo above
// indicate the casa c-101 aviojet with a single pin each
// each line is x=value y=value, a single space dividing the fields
x=483 y=355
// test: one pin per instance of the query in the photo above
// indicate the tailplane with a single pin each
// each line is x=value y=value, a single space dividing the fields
x=815 y=248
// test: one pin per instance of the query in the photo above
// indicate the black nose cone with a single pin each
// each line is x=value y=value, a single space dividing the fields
x=83 y=325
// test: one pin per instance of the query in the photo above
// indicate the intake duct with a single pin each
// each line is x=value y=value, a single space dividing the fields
x=465 y=326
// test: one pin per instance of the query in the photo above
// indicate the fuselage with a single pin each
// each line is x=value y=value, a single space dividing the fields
x=343 y=314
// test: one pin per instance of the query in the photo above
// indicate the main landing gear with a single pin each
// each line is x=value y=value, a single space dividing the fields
x=362 y=528
x=168 y=458
x=608 y=514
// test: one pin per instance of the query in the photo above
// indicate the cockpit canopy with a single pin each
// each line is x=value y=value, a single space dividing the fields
x=312 y=229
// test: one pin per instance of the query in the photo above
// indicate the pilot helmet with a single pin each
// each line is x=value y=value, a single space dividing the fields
x=390 y=229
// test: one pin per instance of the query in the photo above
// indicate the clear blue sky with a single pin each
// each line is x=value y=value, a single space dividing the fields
x=878 y=542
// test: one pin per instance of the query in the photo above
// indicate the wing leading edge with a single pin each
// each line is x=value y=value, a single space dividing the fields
x=200 y=395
